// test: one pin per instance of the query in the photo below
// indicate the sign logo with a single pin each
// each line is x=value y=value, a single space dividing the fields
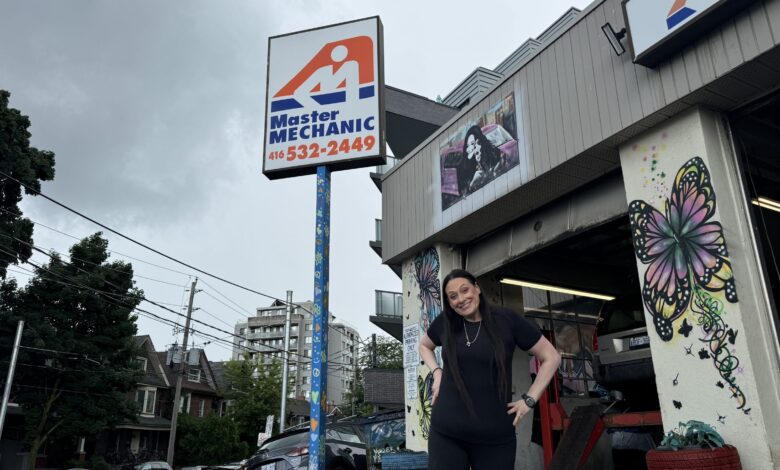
x=329 y=77
x=678 y=14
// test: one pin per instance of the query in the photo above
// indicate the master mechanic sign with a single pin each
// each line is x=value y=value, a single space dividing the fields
x=324 y=100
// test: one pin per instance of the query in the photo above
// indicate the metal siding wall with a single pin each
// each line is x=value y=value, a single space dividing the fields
x=575 y=94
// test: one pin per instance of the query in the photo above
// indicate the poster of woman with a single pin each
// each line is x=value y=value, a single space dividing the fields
x=478 y=152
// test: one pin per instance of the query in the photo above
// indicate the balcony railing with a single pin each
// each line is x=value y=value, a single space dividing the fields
x=378 y=230
x=382 y=169
x=389 y=304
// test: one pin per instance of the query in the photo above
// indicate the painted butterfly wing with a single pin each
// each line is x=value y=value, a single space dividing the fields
x=688 y=211
x=425 y=392
x=666 y=292
x=426 y=268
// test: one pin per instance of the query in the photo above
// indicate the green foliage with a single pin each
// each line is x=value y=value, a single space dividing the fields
x=83 y=309
x=389 y=355
x=26 y=164
x=692 y=434
x=255 y=391
x=208 y=441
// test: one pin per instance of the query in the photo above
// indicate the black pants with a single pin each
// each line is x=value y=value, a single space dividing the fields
x=447 y=453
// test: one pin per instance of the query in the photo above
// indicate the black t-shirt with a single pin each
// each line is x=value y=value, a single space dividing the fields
x=492 y=424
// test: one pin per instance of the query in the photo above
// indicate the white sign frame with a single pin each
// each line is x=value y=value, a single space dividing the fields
x=649 y=45
x=325 y=99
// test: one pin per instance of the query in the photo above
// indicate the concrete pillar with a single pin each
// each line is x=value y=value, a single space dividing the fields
x=710 y=325
x=421 y=278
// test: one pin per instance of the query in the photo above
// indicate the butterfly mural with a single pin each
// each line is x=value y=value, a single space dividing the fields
x=425 y=392
x=682 y=247
x=426 y=273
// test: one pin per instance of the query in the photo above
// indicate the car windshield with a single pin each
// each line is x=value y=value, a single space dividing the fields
x=621 y=317
x=498 y=136
x=293 y=440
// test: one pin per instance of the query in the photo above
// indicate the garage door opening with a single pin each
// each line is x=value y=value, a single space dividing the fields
x=756 y=131
x=584 y=291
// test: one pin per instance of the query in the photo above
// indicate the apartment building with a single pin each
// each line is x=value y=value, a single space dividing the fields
x=261 y=338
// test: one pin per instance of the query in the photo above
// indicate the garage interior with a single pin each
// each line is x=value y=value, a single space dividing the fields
x=756 y=129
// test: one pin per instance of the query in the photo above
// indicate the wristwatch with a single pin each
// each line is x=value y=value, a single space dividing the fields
x=529 y=401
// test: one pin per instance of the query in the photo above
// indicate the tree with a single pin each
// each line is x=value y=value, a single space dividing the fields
x=211 y=440
x=78 y=363
x=26 y=164
x=255 y=391
x=388 y=354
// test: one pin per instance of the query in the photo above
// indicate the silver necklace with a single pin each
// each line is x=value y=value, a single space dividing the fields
x=468 y=341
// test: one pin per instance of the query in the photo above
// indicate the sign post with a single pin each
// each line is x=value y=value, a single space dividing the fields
x=319 y=354
x=324 y=112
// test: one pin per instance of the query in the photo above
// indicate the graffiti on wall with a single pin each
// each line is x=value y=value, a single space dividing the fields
x=423 y=291
x=688 y=269
x=385 y=437
x=426 y=273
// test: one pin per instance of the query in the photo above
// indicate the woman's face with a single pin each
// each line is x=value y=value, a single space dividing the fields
x=463 y=296
x=473 y=149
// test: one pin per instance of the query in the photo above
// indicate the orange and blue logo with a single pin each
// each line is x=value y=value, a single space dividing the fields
x=678 y=13
x=329 y=77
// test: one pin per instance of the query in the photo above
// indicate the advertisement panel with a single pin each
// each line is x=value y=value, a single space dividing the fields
x=324 y=99
x=478 y=152
x=659 y=28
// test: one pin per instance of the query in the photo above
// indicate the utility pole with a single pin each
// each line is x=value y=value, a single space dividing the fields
x=285 y=362
x=355 y=359
x=10 y=379
x=373 y=350
x=179 y=373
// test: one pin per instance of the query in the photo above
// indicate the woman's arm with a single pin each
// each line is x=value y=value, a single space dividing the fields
x=550 y=360
x=426 y=349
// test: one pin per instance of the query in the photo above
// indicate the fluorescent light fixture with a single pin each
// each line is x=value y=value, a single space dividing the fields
x=562 y=290
x=614 y=38
x=767 y=203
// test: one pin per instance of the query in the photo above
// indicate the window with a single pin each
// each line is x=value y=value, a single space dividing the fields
x=241 y=331
x=145 y=398
x=223 y=407
x=304 y=380
x=307 y=340
x=202 y=408
x=193 y=374
x=308 y=327
x=184 y=403
x=307 y=353
x=141 y=361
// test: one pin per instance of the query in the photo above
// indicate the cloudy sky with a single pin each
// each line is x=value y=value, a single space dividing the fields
x=155 y=113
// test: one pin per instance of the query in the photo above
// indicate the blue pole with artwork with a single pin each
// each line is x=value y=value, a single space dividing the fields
x=319 y=353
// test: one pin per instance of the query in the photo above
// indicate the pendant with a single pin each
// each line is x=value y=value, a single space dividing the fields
x=468 y=344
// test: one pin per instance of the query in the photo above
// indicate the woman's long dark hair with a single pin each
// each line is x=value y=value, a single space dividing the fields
x=454 y=322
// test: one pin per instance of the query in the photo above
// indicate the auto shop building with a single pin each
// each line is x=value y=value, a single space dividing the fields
x=652 y=176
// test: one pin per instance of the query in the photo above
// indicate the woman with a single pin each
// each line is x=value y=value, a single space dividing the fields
x=481 y=160
x=473 y=420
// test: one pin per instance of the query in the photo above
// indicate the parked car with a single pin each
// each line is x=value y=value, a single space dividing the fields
x=345 y=449
x=621 y=345
x=153 y=466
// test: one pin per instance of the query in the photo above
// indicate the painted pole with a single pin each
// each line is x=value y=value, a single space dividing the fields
x=319 y=353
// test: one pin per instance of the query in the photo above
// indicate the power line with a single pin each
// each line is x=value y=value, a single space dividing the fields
x=19 y=214
x=32 y=190
x=40 y=249
x=141 y=297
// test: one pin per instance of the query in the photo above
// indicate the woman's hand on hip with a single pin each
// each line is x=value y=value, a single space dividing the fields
x=519 y=409
x=435 y=386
